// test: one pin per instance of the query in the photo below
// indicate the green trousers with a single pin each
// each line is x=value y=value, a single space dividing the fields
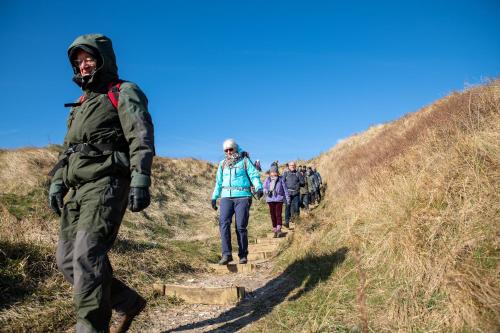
x=89 y=225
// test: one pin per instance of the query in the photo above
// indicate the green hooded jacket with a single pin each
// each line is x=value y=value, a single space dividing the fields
x=129 y=128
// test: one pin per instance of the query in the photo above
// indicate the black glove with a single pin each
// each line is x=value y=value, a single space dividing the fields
x=259 y=194
x=56 y=201
x=214 y=204
x=57 y=191
x=138 y=198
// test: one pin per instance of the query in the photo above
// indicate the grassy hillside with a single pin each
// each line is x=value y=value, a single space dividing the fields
x=415 y=205
x=407 y=238
x=176 y=234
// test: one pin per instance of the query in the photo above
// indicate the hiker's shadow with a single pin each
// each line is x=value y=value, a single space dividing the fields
x=304 y=274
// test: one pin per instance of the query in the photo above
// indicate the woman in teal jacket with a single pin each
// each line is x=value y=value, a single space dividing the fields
x=236 y=176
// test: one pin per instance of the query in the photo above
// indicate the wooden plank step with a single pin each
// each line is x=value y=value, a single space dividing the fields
x=234 y=267
x=253 y=248
x=284 y=234
x=257 y=255
x=269 y=240
x=202 y=295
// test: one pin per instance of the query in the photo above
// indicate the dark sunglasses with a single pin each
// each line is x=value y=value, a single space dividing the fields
x=228 y=149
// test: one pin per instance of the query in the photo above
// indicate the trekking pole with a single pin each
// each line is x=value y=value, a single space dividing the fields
x=252 y=191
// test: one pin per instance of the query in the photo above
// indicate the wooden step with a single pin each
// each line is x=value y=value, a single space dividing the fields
x=234 y=267
x=253 y=248
x=202 y=295
x=269 y=240
x=258 y=255
x=284 y=234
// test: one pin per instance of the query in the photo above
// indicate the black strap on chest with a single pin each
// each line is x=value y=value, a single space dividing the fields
x=70 y=105
x=87 y=149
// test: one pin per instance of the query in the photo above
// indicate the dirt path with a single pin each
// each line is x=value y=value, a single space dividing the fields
x=263 y=291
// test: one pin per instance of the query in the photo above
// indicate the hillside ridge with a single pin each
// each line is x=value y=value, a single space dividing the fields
x=406 y=238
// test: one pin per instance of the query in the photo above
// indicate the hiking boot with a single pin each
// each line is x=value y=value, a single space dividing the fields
x=243 y=260
x=275 y=235
x=286 y=225
x=225 y=260
x=124 y=321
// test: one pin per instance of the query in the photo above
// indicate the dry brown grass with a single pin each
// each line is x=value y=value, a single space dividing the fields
x=16 y=174
x=152 y=245
x=417 y=203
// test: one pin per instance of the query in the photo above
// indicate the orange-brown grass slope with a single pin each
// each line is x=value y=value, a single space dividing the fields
x=151 y=246
x=417 y=204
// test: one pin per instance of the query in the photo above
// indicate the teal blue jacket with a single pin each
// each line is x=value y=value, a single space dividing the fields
x=232 y=182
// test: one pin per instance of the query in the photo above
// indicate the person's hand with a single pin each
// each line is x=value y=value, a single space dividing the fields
x=56 y=197
x=288 y=203
x=259 y=193
x=214 y=204
x=138 y=199
x=56 y=202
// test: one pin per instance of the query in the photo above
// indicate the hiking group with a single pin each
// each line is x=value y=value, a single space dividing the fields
x=238 y=178
x=105 y=167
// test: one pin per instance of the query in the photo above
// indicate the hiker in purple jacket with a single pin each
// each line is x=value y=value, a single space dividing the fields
x=276 y=193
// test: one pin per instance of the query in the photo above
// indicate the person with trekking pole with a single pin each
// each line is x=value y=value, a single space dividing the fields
x=235 y=178
x=106 y=164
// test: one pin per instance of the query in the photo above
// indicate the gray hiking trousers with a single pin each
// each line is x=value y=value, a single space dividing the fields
x=89 y=225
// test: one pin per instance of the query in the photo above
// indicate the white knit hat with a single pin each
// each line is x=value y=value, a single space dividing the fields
x=230 y=143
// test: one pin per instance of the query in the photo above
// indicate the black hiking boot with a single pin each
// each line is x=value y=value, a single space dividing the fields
x=125 y=320
x=243 y=260
x=286 y=224
x=225 y=260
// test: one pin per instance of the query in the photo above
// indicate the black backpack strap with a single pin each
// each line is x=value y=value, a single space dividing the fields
x=87 y=149
x=246 y=170
x=248 y=176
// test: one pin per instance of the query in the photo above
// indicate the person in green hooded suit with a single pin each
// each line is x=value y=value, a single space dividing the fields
x=105 y=167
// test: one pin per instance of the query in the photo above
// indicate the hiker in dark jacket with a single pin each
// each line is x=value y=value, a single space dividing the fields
x=293 y=180
x=236 y=176
x=311 y=184
x=319 y=183
x=109 y=149
x=276 y=193
x=304 y=190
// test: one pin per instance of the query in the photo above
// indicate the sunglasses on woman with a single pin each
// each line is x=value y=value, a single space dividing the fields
x=228 y=149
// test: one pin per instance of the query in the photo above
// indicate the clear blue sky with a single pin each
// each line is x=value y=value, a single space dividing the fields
x=286 y=79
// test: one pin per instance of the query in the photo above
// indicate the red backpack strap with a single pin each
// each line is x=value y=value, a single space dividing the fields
x=114 y=92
